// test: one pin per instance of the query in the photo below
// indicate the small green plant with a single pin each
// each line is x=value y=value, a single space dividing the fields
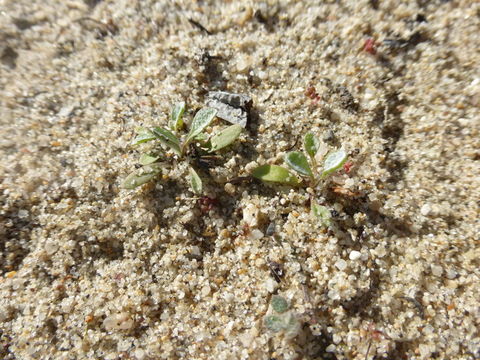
x=308 y=170
x=171 y=139
x=279 y=319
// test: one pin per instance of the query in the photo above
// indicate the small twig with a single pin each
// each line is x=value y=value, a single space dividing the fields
x=199 y=26
x=368 y=349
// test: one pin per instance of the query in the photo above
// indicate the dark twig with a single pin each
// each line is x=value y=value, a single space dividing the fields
x=199 y=26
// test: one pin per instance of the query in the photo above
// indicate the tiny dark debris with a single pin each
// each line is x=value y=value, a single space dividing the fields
x=9 y=57
x=234 y=108
x=276 y=271
x=199 y=26
x=23 y=24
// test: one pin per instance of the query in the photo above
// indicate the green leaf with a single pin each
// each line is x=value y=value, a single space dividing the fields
x=225 y=137
x=143 y=135
x=298 y=162
x=202 y=137
x=141 y=176
x=167 y=138
x=334 y=161
x=291 y=325
x=279 y=304
x=274 y=323
x=202 y=119
x=311 y=144
x=176 y=116
x=147 y=159
x=195 y=182
x=322 y=213
x=275 y=173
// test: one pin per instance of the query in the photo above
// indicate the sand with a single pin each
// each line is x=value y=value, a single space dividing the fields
x=93 y=271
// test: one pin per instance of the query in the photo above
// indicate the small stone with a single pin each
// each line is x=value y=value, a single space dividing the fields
x=256 y=234
x=205 y=290
x=231 y=107
x=355 y=255
x=341 y=264
x=437 y=270
x=425 y=210
x=250 y=215
x=121 y=321
x=331 y=348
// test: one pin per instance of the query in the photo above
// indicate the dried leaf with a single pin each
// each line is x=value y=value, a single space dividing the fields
x=231 y=107
x=298 y=162
x=225 y=137
x=275 y=173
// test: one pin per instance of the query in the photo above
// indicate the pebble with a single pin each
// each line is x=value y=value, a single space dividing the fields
x=341 y=264
x=355 y=255
x=425 y=210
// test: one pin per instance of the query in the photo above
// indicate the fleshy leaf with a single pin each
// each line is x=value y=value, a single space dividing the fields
x=322 y=213
x=143 y=135
x=167 y=138
x=225 y=137
x=279 y=304
x=147 y=159
x=334 y=161
x=275 y=173
x=274 y=323
x=195 y=182
x=141 y=176
x=176 y=116
x=202 y=119
x=311 y=144
x=298 y=162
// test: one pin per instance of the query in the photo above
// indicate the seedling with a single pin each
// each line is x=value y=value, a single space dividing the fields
x=172 y=140
x=280 y=319
x=308 y=170
x=303 y=166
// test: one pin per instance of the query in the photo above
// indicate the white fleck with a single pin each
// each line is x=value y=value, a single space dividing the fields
x=355 y=255
x=341 y=264
x=331 y=348
x=22 y=214
x=425 y=210
x=205 y=290
x=121 y=321
x=437 y=270
x=250 y=215
x=256 y=234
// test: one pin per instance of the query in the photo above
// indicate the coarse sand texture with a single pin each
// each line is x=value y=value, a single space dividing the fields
x=378 y=260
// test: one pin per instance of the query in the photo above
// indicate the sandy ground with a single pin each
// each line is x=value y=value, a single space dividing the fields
x=92 y=271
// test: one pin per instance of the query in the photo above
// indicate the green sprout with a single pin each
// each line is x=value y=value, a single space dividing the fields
x=279 y=319
x=173 y=141
x=303 y=166
x=307 y=171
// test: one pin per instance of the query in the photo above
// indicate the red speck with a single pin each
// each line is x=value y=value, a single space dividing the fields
x=347 y=166
x=369 y=46
x=311 y=93
x=207 y=203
